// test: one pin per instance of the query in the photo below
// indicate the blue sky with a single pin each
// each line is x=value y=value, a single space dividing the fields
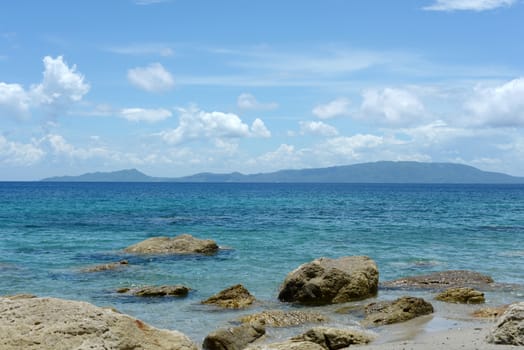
x=177 y=87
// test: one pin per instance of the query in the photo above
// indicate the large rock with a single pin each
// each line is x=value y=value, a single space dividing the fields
x=279 y=318
x=461 y=295
x=287 y=345
x=441 y=280
x=182 y=244
x=334 y=338
x=106 y=267
x=55 y=324
x=509 y=328
x=157 y=291
x=329 y=281
x=235 y=338
x=235 y=297
x=399 y=310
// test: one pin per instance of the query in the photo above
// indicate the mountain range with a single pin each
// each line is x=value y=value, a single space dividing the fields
x=376 y=172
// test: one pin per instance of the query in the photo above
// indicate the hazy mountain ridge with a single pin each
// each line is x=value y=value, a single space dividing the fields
x=377 y=172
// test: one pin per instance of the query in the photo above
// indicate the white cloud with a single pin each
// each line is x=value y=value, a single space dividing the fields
x=350 y=146
x=335 y=108
x=392 y=106
x=317 y=128
x=60 y=147
x=61 y=85
x=14 y=99
x=259 y=129
x=16 y=153
x=471 y=5
x=499 y=106
x=248 y=101
x=197 y=124
x=147 y=115
x=153 y=78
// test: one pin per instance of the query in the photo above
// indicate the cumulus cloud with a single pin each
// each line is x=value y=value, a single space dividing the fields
x=498 y=106
x=61 y=87
x=16 y=153
x=317 y=128
x=259 y=129
x=335 y=108
x=471 y=5
x=146 y=115
x=14 y=99
x=152 y=78
x=61 y=84
x=392 y=106
x=198 y=124
x=248 y=101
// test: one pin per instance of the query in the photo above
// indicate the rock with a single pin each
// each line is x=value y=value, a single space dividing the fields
x=105 y=267
x=19 y=296
x=182 y=244
x=334 y=338
x=461 y=295
x=56 y=324
x=287 y=345
x=441 y=280
x=279 y=318
x=236 y=338
x=157 y=291
x=330 y=281
x=235 y=297
x=399 y=310
x=509 y=329
x=490 y=312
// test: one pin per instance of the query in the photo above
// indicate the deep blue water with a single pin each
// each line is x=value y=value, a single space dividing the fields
x=50 y=231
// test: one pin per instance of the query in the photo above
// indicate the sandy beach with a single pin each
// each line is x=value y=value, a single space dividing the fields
x=433 y=332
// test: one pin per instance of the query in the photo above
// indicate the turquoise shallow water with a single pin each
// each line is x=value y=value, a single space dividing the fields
x=50 y=231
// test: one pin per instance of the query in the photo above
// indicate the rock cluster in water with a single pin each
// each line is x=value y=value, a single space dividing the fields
x=182 y=244
x=234 y=297
x=330 y=281
x=442 y=280
x=157 y=291
x=280 y=318
x=28 y=322
x=461 y=295
x=399 y=310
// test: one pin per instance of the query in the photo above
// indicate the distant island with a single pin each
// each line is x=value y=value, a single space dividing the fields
x=376 y=172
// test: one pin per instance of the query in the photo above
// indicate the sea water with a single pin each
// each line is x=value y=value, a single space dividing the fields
x=50 y=232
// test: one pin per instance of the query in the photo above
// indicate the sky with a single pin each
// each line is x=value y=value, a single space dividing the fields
x=177 y=87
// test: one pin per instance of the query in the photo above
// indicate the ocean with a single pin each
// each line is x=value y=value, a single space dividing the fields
x=49 y=232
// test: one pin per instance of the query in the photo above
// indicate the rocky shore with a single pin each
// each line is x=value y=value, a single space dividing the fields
x=310 y=297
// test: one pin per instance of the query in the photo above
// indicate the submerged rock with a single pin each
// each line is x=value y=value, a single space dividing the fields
x=330 y=281
x=157 y=291
x=334 y=338
x=235 y=297
x=235 y=338
x=287 y=345
x=461 y=295
x=182 y=244
x=490 y=312
x=279 y=318
x=441 y=280
x=509 y=329
x=105 y=267
x=399 y=310
x=56 y=324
